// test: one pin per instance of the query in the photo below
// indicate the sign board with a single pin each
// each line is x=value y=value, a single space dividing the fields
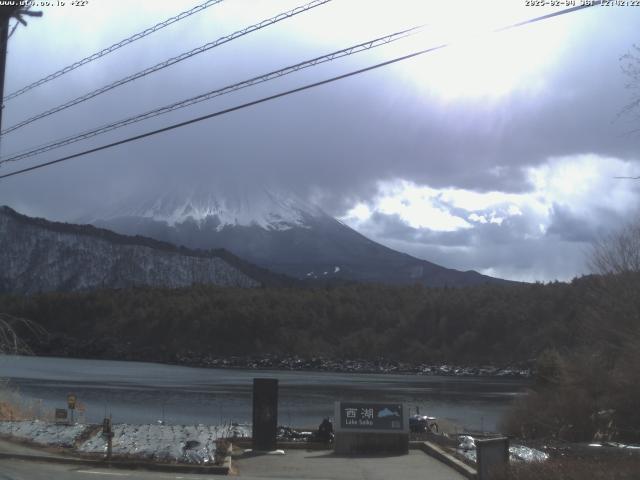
x=71 y=401
x=106 y=426
x=61 y=414
x=265 y=413
x=371 y=428
x=493 y=456
x=370 y=416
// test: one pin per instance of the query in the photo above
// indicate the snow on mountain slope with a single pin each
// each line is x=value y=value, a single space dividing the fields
x=267 y=209
x=39 y=256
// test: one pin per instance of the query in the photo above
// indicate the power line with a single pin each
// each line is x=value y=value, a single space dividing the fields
x=215 y=93
x=283 y=94
x=114 y=47
x=169 y=62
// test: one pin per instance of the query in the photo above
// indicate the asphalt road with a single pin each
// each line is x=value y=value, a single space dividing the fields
x=324 y=465
x=22 y=470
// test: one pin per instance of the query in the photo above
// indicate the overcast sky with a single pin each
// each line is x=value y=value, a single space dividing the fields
x=496 y=154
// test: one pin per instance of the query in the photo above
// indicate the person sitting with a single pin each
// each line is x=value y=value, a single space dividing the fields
x=325 y=431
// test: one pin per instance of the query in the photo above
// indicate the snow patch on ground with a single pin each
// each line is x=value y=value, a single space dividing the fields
x=517 y=453
x=163 y=443
x=44 y=433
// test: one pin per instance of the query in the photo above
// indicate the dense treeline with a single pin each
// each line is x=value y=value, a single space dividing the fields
x=592 y=390
x=484 y=324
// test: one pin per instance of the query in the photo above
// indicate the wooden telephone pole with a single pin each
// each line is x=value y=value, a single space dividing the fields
x=9 y=10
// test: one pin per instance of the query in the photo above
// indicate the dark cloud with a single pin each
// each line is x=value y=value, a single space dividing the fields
x=510 y=250
x=586 y=226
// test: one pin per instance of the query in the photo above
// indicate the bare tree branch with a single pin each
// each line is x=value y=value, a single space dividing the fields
x=630 y=66
x=618 y=252
x=10 y=341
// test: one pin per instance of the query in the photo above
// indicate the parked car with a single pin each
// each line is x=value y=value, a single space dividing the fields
x=422 y=424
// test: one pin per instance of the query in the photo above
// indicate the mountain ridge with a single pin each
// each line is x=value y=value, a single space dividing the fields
x=281 y=233
x=31 y=245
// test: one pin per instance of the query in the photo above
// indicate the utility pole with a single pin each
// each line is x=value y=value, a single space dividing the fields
x=16 y=10
x=7 y=13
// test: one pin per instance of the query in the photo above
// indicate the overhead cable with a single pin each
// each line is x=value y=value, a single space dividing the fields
x=281 y=94
x=169 y=62
x=215 y=93
x=112 y=48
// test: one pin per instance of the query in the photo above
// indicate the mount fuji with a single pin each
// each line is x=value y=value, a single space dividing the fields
x=275 y=230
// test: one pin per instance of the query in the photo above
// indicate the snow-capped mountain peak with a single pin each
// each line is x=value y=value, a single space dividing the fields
x=275 y=230
x=268 y=209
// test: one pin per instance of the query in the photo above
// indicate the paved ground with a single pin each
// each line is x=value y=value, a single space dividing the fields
x=320 y=465
x=21 y=470
x=20 y=449
x=295 y=464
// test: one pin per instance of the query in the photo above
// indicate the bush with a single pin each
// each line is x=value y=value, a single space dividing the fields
x=587 y=399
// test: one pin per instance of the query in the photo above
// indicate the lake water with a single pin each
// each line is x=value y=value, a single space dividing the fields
x=136 y=392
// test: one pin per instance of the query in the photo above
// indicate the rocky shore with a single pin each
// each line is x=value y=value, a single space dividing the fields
x=321 y=364
x=109 y=348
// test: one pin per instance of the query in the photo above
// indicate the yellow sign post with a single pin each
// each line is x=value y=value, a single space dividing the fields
x=71 y=403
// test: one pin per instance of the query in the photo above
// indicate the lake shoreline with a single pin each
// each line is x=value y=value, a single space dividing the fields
x=110 y=348
x=382 y=366
x=296 y=363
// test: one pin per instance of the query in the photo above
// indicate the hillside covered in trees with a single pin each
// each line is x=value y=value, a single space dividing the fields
x=485 y=324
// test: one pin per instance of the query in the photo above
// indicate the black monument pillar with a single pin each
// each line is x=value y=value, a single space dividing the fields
x=265 y=413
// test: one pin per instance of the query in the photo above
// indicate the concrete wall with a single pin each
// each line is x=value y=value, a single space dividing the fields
x=348 y=443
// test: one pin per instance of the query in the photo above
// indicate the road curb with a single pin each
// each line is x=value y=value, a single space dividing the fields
x=126 y=464
x=287 y=445
x=448 y=459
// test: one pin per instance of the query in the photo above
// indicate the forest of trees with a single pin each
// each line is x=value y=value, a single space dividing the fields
x=484 y=324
